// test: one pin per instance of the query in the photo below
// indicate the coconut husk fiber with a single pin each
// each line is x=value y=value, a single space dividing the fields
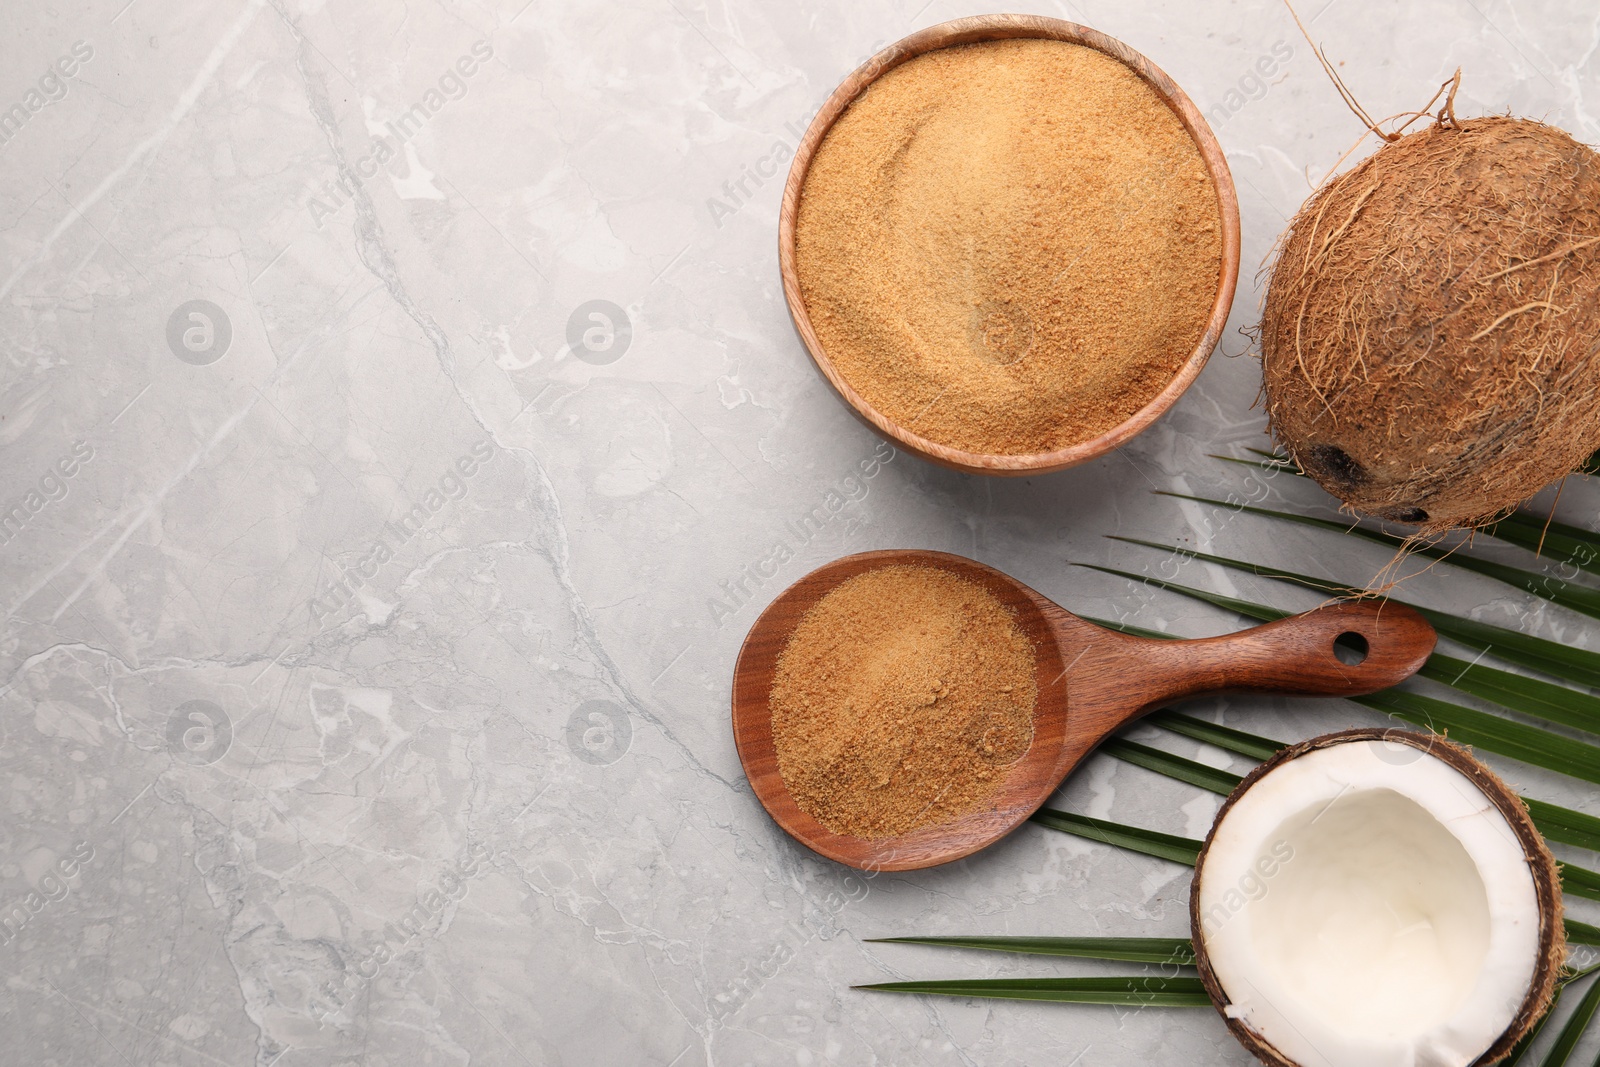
x=1431 y=335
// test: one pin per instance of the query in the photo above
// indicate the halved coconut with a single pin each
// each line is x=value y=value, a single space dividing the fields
x=1377 y=898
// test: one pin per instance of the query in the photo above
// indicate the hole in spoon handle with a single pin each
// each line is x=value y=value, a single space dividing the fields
x=1351 y=648
x=1343 y=649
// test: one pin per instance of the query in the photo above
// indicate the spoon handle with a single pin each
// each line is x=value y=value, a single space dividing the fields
x=1386 y=644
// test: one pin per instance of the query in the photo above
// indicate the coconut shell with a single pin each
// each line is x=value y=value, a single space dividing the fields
x=1430 y=339
x=1541 y=864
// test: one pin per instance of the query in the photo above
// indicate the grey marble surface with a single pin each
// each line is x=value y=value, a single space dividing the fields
x=368 y=623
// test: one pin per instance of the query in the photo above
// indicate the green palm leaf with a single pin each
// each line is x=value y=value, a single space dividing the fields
x=1530 y=696
x=1163 y=846
x=1483 y=730
x=1349 y=527
x=1154 y=991
x=1520 y=1049
x=1283 y=459
x=1569 y=595
x=1542 y=536
x=1554 y=822
x=1564 y=825
x=1559 y=541
x=1259 y=612
x=1582 y=933
x=1184 y=770
x=1223 y=737
x=1576 y=665
x=1472 y=727
x=1160 y=950
x=1579 y=598
x=1567 y=1039
x=1575 y=880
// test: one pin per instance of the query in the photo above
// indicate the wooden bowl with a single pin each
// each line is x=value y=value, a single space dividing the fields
x=995 y=28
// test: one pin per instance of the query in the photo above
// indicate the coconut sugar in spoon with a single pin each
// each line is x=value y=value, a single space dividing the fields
x=1092 y=681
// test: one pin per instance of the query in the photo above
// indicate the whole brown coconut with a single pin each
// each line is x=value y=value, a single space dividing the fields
x=1431 y=337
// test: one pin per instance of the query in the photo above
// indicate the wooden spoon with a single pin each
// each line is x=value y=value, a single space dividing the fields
x=1092 y=681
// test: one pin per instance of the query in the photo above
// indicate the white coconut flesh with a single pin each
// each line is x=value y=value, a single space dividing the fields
x=1366 y=905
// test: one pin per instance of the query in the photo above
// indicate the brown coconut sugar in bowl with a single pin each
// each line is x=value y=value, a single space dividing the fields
x=1009 y=247
x=900 y=700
